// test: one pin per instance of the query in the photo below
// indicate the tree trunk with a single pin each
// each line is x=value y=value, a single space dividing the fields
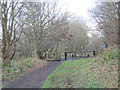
x=34 y=42
x=5 y=56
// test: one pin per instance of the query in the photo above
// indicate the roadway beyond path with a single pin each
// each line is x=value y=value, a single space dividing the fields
x=36 y=78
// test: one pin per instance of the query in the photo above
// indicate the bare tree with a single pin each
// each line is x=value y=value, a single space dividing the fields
x=43 y=19
x=106 y=16
x=10 y=16
x=78 y=33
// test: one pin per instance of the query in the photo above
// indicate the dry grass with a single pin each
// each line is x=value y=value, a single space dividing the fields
x=21 y=66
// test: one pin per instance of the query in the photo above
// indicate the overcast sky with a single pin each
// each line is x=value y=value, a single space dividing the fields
x=82 y=8
x=79 y=7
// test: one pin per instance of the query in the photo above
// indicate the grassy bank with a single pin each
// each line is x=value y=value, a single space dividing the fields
x=98 y=72
x=21 y=66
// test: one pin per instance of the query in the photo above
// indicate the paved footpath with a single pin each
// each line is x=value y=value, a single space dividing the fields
x=36 y=78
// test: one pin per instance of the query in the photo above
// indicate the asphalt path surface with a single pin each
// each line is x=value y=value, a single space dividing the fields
x=36 y=78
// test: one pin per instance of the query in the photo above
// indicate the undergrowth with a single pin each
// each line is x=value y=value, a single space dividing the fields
x=18 y=67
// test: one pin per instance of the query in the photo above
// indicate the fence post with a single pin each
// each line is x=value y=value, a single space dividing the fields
x=94 y=53
x=65 y=56
x=72 y=55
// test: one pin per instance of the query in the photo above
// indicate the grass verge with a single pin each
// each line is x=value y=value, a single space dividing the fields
x=18 y=67
x=98 y=72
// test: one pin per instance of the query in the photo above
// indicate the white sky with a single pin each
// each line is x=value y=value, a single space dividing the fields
x=79 y=7
x=82 y=8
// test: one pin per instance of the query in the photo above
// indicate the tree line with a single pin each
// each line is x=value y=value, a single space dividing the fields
x=43 y=30
x=36 y=29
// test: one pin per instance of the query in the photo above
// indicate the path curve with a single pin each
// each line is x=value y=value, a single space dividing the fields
x=36 y=78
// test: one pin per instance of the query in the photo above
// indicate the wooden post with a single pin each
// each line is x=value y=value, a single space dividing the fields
x=45 y=55
x=72 y=55
x=88 y=55
x=65 y=56
x=94 y=53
